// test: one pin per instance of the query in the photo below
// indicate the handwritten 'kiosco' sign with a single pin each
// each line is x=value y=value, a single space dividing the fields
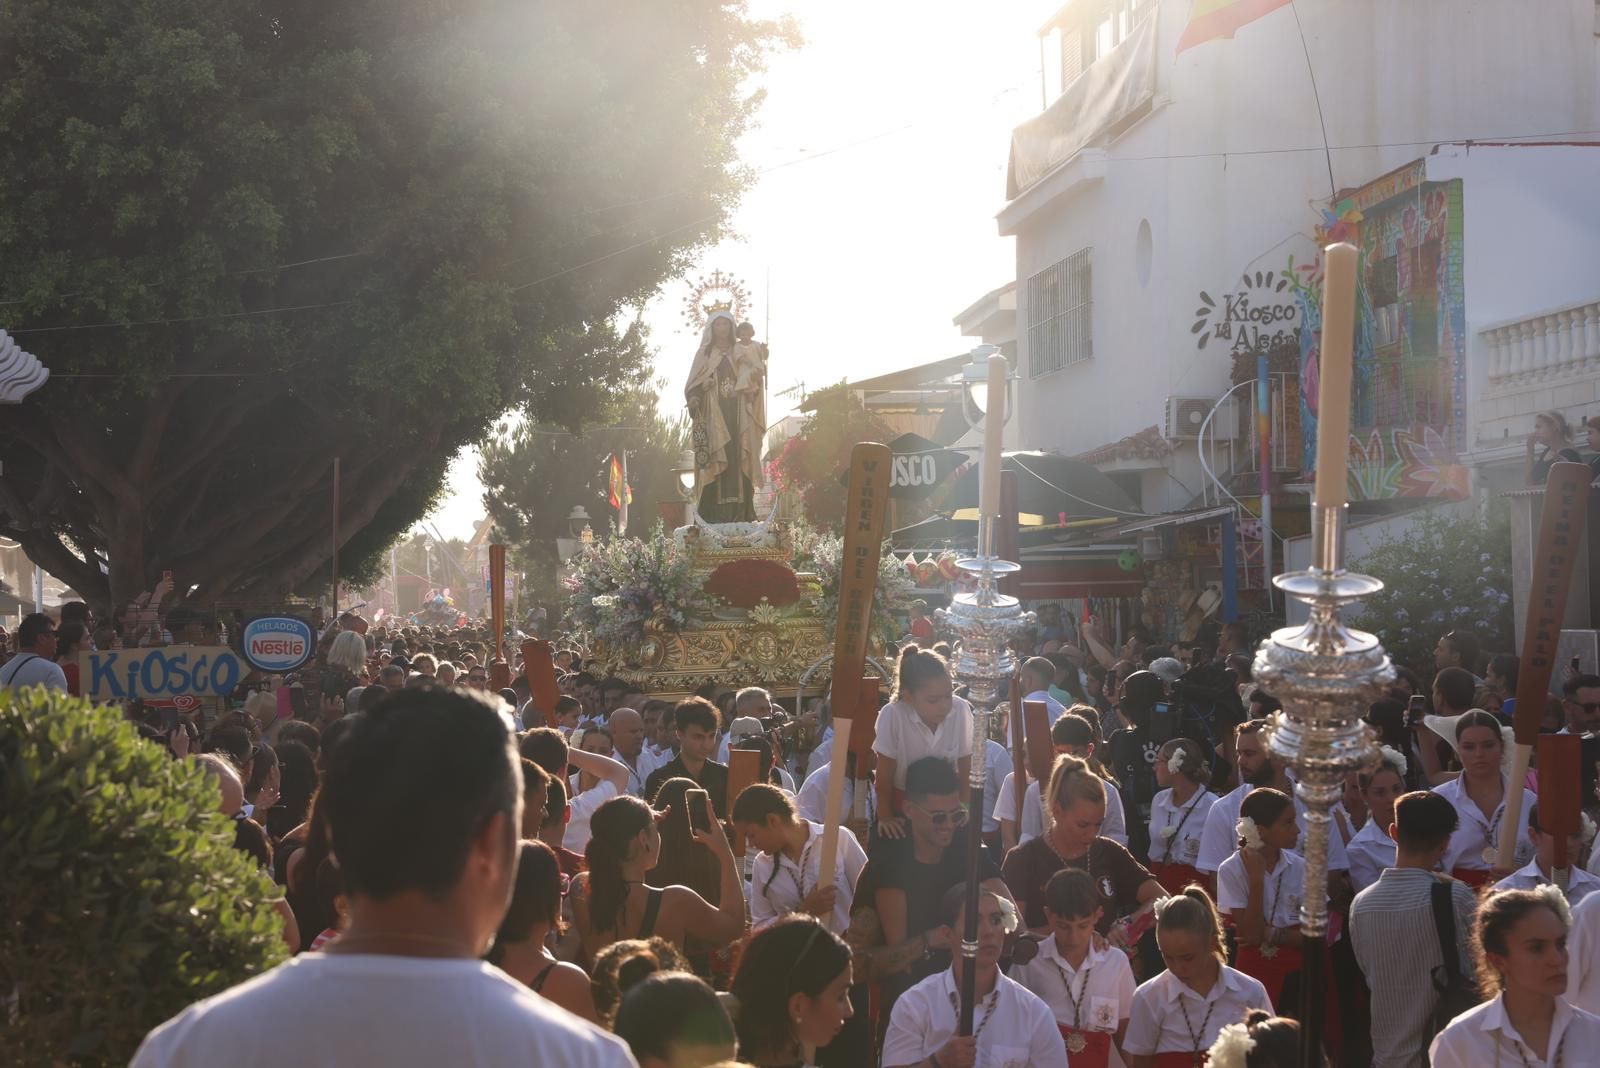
x=161 y=674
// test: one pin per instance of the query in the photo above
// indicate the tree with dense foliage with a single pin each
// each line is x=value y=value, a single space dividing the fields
x=125 y=899
x=534 y=474
x=811 y=462
x=250 y=237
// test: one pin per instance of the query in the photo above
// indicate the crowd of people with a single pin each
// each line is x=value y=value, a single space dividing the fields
x=469 y=878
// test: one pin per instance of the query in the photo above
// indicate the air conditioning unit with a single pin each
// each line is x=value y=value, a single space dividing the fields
x=1186 y=415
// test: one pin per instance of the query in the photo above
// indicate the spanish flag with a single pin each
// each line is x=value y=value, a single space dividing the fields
x=1212 y=20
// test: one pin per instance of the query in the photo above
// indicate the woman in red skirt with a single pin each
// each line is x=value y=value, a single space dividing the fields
x=1178 y=813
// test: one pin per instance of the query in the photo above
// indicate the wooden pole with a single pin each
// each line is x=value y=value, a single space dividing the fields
x=335 y=545
x=1561 y=519
x=539 y=668
x=744 y=770
x=499 y=670
x=1560 y=797
x=1019 y=755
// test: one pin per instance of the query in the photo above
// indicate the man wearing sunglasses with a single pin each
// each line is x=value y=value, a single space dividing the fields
x=906 y=878
x=1580 y=699
x=35 y=662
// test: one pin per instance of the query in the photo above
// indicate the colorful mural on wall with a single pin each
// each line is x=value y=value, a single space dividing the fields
x=1408 y=419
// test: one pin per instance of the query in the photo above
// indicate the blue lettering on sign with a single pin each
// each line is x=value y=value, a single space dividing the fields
x=123 y=674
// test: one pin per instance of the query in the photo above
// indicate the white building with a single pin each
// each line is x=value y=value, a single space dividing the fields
x=1163 y=194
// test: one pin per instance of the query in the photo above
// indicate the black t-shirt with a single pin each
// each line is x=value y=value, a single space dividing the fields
x=1133 y=753
x=894 y=866
x=713 y=780
x=1117 y=878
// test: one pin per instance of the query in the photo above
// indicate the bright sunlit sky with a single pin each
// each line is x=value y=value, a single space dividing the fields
x=883 y=140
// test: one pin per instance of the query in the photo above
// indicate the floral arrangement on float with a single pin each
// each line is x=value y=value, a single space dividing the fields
x=822 y=554
x=618 y=585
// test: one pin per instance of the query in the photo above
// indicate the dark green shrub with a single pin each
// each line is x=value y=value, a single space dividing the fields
x=122 y=898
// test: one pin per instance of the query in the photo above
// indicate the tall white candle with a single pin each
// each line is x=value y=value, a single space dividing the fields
x=1333 y=372
x=994 y=424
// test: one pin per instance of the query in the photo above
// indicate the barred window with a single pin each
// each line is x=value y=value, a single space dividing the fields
x=1061 y=314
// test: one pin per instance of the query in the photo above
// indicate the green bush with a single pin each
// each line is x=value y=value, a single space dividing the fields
x=123 y=897
x=1445 y=573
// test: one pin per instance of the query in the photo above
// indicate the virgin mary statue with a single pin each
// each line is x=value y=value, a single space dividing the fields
x=726 y=394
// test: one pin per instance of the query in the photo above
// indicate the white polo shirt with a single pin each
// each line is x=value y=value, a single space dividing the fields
x=1474 y=833
x=1017 y=1029
x=1220 y=839
x=1485 y=1036
x=1115 y=826
x=778 y=884
x=1156 y=1023
x=1583 y=955
x=584 y=806
x=648 y=762
x=1580 y=884
x=1055 y=707
x=812 y=800
x=1281 y=889
x=1370 y=851
x=903 y=737
x=1102 y=989
x=1175 y=830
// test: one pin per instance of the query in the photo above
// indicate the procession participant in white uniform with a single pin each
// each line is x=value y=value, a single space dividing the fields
x=1011 y=1026
x=1073 y=734
x=788 y=866
x=1478 y=794
x=1090 y=990
x=1519 y=940
x=1178 y=813
x=1536 y=873
x=1371 y=849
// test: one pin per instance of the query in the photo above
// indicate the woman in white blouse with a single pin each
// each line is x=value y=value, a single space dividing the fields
x=1520 y=942
x=1178 y=813
x=1479 y=796
x=1371 y=849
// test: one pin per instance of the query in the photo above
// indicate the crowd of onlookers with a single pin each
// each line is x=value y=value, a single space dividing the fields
x=468 y=877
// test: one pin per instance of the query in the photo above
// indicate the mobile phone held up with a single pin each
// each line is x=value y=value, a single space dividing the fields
x=694 y=803
x=1415 y=710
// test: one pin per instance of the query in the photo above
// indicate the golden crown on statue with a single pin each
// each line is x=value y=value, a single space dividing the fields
x=713 y=293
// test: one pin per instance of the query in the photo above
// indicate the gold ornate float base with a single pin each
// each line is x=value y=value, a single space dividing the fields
x=764 y=646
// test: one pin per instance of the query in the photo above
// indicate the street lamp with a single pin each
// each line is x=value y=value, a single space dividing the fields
x=975 y=387
x=577 y=519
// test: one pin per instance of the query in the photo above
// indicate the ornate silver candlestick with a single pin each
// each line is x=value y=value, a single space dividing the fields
x=1326 y=675
x=985 y=620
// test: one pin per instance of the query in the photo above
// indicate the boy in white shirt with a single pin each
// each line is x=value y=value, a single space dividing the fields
x=1012 y=1027
x=1090 y=990
x=1536 y=873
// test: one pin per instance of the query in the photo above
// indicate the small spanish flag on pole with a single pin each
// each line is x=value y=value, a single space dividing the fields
x=1214 y=20
x=621 y=494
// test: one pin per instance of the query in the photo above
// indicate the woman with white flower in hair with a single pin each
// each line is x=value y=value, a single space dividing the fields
x=1178 y=813
x=1519 y=941
x=1262 y=1040
x=1372 y=849
x=1259 y=889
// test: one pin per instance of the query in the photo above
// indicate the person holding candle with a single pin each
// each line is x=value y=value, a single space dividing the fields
x=1520 y=944
x=1478 y=794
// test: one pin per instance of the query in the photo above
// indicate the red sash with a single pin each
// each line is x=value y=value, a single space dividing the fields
x=1095 y=1054
x=1181 y=1060
x=1174 y=877
x=1473 y=877
x=1272 y=971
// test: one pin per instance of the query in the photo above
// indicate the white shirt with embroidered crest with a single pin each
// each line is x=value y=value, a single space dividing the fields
x=1580 y=884
x=1017 y=1028
x=1156 y=1024
x=1484 y=1036
x=1104 y=996
x=778 y=884
x=1474 y=832
x=1115 y=826
x=1187 y=821
x=1281 y=889
x=1370 y=851
x=1219 y=840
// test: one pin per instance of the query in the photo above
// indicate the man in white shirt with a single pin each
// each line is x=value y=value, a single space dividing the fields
x=1037 y=675
x=1536 y=873
x=424 y=903
x=35 y=662
x=1012 y=1027
x=787 y=870
x=1583 y=955
x=627 y=740
x=812 y=800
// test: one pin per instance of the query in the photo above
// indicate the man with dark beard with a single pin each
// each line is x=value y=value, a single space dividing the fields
x=1256 y=769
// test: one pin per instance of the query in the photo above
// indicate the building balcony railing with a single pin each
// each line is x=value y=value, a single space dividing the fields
x=1544 y=362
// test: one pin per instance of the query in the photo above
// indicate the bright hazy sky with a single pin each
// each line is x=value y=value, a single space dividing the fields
x=883 y=140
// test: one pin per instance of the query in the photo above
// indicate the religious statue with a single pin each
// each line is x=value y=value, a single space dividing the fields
x=727 y=398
